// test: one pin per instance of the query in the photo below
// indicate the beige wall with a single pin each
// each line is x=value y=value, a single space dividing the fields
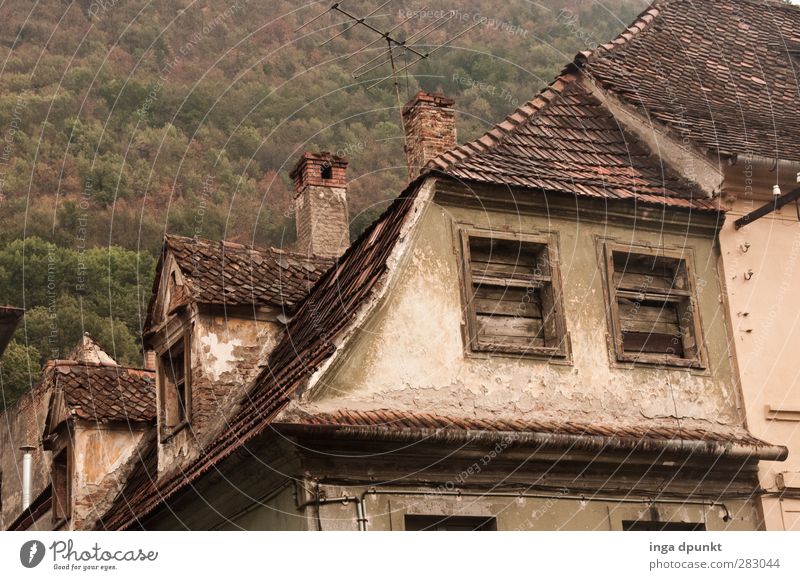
x=225 y=355
x=765 y=315
x=102 y=457
x=410 y=354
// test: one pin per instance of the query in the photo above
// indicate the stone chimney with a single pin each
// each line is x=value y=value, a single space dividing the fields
x=429 y=122
x=320 y=200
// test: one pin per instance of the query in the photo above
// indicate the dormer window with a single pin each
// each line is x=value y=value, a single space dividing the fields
x=513 y=294
x=174 y=385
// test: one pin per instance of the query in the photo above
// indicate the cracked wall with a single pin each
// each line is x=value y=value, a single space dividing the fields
x=410 y=354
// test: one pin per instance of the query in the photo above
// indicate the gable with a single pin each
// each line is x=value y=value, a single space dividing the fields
x=566 y=141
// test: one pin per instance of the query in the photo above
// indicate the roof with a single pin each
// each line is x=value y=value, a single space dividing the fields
x=565 y=140
x=330 y=306
x=225 y=273
x=400 y=420
x=9 y=318
x=722 y=73
x=101 y=392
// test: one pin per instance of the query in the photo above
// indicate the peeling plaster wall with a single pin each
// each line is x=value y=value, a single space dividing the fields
x=225 y=356
x=765 y=315
x=410 y=354
x=22 y=424
x=100 y=455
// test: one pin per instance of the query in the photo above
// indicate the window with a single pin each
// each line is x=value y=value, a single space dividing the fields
x=175 y=388
x=450 y=524
x=513 y=295
x=652 y=307
x=326 y=171
x=62 y=487
x=643 y=526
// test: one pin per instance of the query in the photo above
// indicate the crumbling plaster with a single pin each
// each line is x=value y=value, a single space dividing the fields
x=410 y=353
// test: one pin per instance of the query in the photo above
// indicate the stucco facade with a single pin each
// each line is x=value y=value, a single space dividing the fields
x=762 y=273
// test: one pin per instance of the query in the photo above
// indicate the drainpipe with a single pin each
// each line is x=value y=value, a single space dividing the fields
x=27 y=474
x=361 y=512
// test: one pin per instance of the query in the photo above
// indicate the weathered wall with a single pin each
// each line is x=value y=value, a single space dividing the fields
x=23 y=424
x=761 y=263
x=387 y=512
x=101 y=456
x=410 y=354
x=225 y=355
x=322 y=221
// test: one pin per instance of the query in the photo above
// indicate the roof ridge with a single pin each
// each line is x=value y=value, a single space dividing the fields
x=236 y=246
x=642 y=21
x=496 y=134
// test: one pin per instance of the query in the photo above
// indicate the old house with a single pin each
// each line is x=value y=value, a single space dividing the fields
x=557 y=325
x=533 y=336
x=80 y=429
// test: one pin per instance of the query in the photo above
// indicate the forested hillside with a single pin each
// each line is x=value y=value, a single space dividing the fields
x=123 y=120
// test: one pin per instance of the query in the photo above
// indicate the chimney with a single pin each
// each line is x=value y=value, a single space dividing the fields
x=429 y=122
x=150 y=360
x=320 y=200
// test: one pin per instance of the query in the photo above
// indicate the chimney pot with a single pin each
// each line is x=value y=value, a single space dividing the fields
x=429 y=123
x=321 y=216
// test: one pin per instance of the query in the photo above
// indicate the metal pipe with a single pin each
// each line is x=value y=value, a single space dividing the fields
x=361 y=511
x=362 y=508
x=27 y=474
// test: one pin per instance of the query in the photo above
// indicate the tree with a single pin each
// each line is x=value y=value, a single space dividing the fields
x=19 y=370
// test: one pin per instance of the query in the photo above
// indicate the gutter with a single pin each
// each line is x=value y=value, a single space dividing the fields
x=718 y=449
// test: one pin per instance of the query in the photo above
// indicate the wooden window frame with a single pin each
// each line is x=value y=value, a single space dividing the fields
x=169 y=388
x=61 y=481
x=555 y=323
x=691 y=330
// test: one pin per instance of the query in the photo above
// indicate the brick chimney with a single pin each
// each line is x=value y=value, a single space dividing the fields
x=430 y=129
x=320 y=200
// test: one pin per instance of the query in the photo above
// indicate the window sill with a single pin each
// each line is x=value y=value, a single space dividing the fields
x=533 y=352
x=661 y=360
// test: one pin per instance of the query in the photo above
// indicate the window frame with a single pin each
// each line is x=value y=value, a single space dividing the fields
x=557 y=322
x=61 y=469
x=168 y=430
x=682 y=297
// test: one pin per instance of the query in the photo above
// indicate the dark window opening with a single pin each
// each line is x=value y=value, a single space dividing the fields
x=326 y=171
x=513 y=300
x=175 y=385
x=450 y=524
x=643 y=526
x=62 y=488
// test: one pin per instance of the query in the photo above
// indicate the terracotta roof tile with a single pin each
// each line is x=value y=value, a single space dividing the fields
x=105 y=392
x=724 y=73
x=403 y=420
x=232 y=274
x=565 y=140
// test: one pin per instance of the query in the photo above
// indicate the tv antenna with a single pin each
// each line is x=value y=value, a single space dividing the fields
x=395 y=47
